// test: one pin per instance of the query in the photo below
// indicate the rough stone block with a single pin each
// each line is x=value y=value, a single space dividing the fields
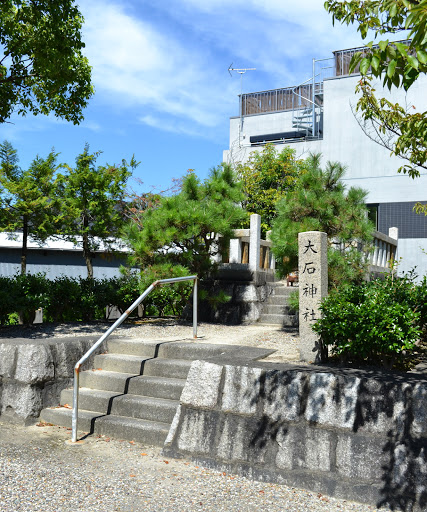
x=382 y=405
x=283 y=395
x=241 y=389
x=232 y=443
x=21 y=403
x=246 y=293
x=251 y=311
x=332 y=400
x=304 y=448
x=202 y=386
x=360 y=457
x=34 y=364
x=419 y=409
x=197 y=431
x=8 y=353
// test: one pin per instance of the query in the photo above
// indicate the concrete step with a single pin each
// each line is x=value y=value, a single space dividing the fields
x=132 y=429
x=284 y=290
x=156 y=387
x=275 y=309
x=144 y=407
x=96 y=400
x=159 y=387
x=283 y=320
x=171 y=368
x=165 y=350
x=122 y=363
x=277 y=300
x=109 y=381
x=133 y=347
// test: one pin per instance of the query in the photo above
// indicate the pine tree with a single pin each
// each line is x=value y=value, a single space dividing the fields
x=191 y=227
x=320 y=203
x=92 y=198
x=29 y=202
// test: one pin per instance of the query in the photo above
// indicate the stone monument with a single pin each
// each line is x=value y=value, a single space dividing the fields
x=313 y=287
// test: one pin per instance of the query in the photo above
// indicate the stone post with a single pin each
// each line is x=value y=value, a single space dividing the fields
x=254 y=242
x=313 y=287
x=235 y=251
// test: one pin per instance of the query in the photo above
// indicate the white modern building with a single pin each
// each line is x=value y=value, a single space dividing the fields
x=318 y=116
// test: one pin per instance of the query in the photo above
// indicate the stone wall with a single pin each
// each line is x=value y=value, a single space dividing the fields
x=247 y=291
x=34 y=372
x=351 y=434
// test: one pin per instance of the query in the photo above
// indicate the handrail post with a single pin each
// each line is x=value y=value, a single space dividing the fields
x=195 y=309
x=74 y=417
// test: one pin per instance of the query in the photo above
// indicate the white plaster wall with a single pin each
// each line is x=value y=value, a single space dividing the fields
x=369 y=165
x=412 y=254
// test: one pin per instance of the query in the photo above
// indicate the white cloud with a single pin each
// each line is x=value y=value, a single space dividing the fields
x=137 y=65
x=171 y=58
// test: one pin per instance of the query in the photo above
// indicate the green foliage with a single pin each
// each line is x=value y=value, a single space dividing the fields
x=399 y=64
x=8 y=298
x=375 y=322
x=319 y=202
x=68 y=299
x=43 y=69
x=92 y=198
x=28 y=199
x=168 y=299
x=30 y=294
x=265 y=177
x=293 y=300
x=191 y=227
x=215 y=299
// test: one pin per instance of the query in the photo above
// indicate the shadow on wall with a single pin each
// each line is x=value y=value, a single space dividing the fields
x=386 y=415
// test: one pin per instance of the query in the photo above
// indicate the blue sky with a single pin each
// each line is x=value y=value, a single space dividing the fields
x=162 y=89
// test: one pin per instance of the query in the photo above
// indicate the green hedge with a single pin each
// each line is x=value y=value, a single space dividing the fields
x=376 y=322
x=67 y=299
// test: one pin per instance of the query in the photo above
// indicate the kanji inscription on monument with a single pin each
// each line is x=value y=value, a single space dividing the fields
x=313 y=287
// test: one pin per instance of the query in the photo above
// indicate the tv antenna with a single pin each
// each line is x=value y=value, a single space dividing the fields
x=241 y=72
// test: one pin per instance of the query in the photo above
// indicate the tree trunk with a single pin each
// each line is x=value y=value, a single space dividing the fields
x=21 y=319
x=24 y=245
x=87 y=255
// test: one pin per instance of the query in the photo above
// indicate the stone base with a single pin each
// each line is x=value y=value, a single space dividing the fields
x=34 y=372
x=350 y=434
x=247 y=291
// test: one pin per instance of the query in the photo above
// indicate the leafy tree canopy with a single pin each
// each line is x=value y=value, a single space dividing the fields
x=43 y=69
x=319 y=202
x=92 y=202
x=191 y=227
x=28 y=201
x=265 y=177
x=400 y=129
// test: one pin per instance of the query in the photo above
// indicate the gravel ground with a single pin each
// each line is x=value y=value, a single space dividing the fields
x=40 y=472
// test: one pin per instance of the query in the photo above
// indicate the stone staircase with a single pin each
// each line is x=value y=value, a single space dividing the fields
x=133 y=391
x=276 y=310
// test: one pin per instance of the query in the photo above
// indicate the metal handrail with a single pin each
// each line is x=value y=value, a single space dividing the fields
x=118 y=322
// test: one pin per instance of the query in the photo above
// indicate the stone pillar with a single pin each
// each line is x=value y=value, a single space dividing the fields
x=313 y=287
x=235 y=251
x=272 y=258
x=254 y=242
x=393 y=233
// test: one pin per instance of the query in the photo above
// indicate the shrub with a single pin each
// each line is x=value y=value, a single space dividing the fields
x=8 y=298
x=169 y=299
x=31 y=294
x=375 y=322
x=64 y=294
